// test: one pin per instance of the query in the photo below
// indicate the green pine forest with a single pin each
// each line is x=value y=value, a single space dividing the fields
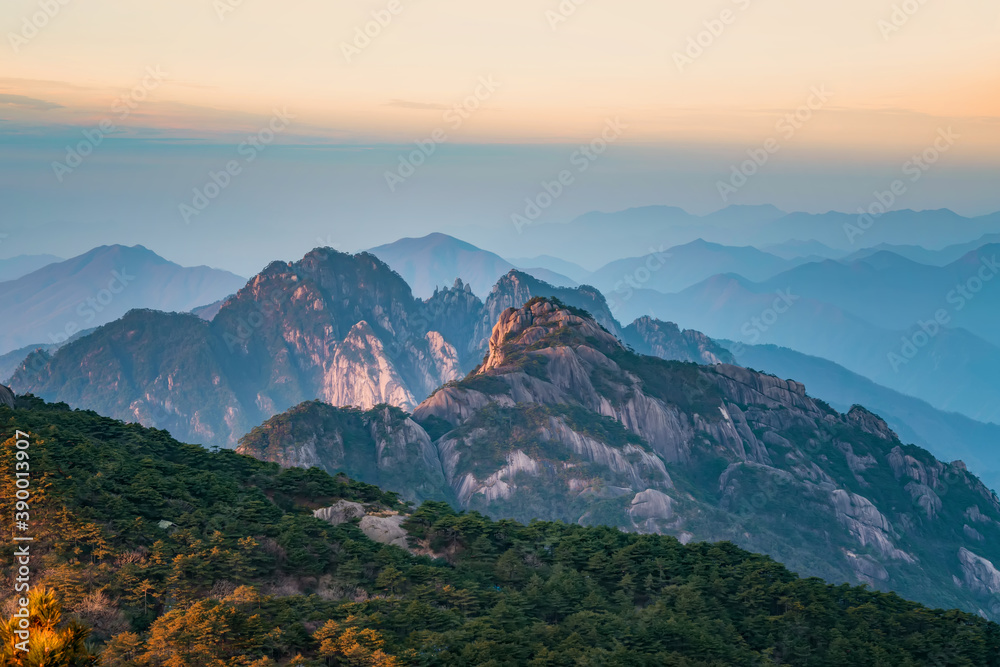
x=155 y=553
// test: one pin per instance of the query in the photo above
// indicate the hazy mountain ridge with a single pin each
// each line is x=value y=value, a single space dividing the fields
x=344 y=329
x=917 y=253
x=679 y=267
x=437 y=260
x=596 y=238
x=952 y=369
x=13 y=268
x=61 y=299
x=893 y=292
x=568 y=269
x=338 y=327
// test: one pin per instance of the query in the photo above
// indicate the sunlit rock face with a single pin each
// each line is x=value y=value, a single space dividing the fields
x=341 y=328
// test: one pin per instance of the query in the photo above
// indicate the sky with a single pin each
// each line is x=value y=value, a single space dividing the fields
x=166 y=93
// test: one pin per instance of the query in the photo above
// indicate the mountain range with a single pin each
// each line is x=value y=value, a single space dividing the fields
x=268 y=348
x=950 y=368
x=342 y=328
x=58 y=300
x=562 y=422
x=597 y=238
x=865 y=313
x=537 y=404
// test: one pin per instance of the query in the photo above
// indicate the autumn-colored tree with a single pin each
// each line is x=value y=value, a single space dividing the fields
x=352 y=646
x=51 y=643
x=122 y=651
x=207 y=633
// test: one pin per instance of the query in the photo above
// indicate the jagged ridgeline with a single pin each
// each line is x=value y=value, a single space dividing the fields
x=563 y=422
x=171 y=554
x=341 y=328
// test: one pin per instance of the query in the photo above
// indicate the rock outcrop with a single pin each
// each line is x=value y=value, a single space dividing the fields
x=378 y=524
x=870 y=423
x=381 y=446
x=517 y=288
x=358 y=372
x=981 y=575
x=666 y=340
x=6 y=397
x=340 y=512
x=651 y=511
x=385 y=530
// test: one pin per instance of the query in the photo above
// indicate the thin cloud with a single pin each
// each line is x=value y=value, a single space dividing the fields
x=25 y=102
x=404 y=104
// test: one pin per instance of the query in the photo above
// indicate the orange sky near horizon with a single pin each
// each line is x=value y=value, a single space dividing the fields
x=559 y=73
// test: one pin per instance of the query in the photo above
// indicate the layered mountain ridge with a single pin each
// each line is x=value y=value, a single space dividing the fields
x=337 y=327
x=59 y=299
x=344 y=329
x=558 y=419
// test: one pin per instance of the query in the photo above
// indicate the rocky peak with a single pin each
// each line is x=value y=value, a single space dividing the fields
x=33 y=368
x=325 y=293
x=517 y=288
x=455 y=313
x=563 y=422
x=342 y=327
x=539 y=320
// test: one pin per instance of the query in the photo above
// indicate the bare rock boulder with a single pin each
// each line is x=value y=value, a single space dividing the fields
x=340 y=512
x=385 y=530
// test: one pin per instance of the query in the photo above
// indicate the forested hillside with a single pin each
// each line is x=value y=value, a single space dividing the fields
x=169 y=554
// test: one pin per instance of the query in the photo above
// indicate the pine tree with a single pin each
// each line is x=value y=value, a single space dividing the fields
x=51 y=643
